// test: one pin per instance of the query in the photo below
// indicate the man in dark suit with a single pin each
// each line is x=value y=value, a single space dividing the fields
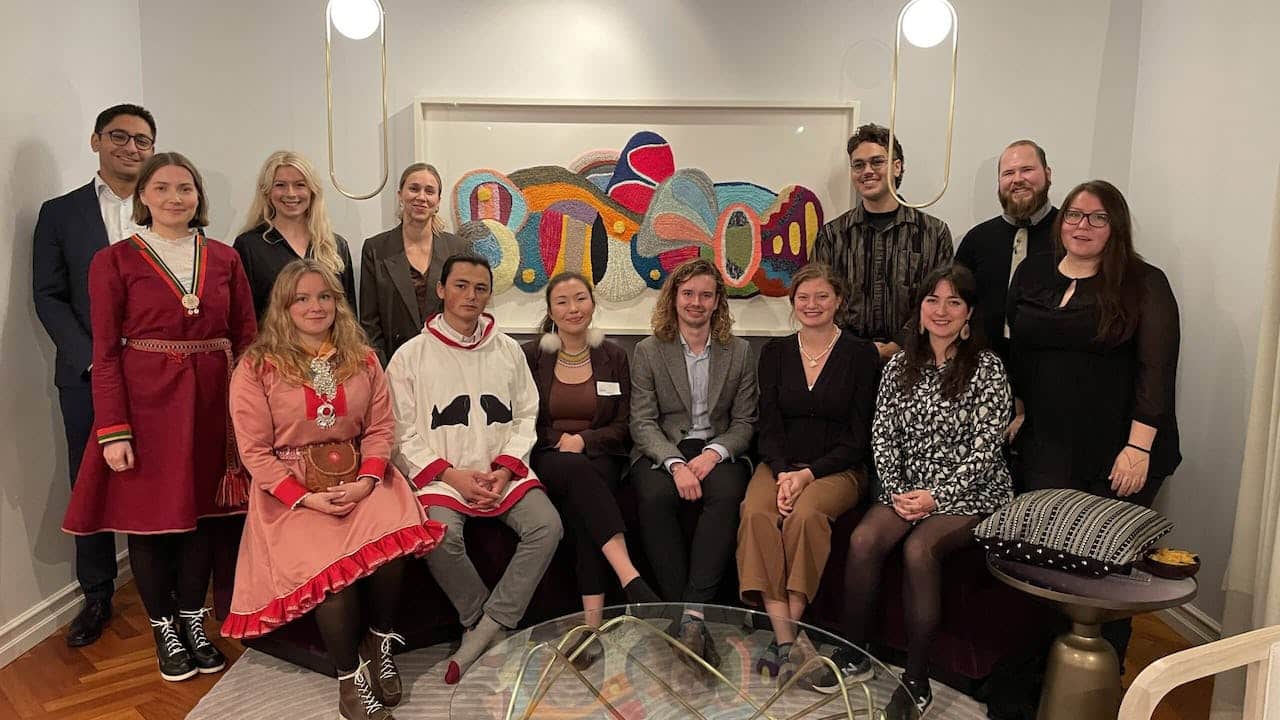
x=693 y=412
x=70 y=229
x=994 y=248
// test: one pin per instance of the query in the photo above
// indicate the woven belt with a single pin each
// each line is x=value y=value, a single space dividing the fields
x=179 y=350
x=183 y=348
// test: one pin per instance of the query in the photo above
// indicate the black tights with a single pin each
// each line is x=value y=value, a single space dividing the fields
x=341 y=621
x=170 y=565
x=927 y=544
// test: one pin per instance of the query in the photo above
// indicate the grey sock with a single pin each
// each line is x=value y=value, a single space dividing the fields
x=487 y=633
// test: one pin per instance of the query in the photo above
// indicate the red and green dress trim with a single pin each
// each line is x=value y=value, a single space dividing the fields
x=199 y=270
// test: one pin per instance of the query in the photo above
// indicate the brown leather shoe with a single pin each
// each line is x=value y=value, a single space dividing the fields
x=356 y=700
x=375 y=649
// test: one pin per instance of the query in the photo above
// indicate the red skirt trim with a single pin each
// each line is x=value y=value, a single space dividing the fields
x=415 y=540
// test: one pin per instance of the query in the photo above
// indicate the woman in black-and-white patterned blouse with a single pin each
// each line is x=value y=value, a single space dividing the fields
x=943 y=406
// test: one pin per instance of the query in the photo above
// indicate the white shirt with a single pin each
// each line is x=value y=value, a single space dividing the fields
x=699 y=368
x=117 y=212
x=178 y=255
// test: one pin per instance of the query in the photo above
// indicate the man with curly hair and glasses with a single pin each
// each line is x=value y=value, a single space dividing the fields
x=882 y=248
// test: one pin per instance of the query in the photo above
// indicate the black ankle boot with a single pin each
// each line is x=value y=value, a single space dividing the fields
x=204 y=654
x=175 y=661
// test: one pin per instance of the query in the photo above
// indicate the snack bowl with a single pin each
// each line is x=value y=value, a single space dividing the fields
x=1171 y=563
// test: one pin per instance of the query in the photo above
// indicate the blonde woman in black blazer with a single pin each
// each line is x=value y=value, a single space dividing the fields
x=584 y=389
x=400 y=268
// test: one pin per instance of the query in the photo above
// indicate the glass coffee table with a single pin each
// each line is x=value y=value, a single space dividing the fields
x=640 y=670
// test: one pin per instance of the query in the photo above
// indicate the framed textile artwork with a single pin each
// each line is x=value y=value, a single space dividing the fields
x=622 y=192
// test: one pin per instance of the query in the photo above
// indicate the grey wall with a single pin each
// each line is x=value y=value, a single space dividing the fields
x=51 y=99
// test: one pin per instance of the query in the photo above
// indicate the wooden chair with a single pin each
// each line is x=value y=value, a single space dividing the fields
x=1258 y=650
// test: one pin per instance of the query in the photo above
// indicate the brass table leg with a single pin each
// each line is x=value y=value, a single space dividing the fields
x=1082 y=677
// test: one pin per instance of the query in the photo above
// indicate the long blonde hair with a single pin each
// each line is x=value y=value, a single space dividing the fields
x=278 y=342
x=324 y=246
x=665 y=321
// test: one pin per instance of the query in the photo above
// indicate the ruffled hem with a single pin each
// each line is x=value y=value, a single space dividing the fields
x=414 y=540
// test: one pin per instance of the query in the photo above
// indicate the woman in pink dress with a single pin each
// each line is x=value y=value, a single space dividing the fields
x=310 y=406
x=170 y=309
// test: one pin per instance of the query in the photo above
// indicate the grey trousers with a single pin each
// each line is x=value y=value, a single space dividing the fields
x=537 y=523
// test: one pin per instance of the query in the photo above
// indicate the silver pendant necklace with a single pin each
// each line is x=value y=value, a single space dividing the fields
x=326 y=388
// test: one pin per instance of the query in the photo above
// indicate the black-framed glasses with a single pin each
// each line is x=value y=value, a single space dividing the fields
x=120 y=138
x=1096 y=219
x=877 y=163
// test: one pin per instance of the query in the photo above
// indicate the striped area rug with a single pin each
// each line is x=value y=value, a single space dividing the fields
x=261 y=687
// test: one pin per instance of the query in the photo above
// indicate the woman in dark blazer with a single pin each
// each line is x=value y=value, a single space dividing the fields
x=399 y=269
x=584 y=388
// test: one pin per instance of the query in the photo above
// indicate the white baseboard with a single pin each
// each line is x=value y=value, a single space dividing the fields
x=45 y=618
x=1192 y=624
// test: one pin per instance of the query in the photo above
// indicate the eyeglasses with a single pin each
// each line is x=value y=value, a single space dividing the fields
x=1096 y=219
x=876 y=163
x=121 y=138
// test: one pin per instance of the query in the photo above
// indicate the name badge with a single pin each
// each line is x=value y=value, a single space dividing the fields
x=608 y=389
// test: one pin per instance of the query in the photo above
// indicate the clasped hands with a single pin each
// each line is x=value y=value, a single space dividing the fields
x=482 y=490
x=914 y=505
x=341 y=499
x=689 y=475
x=790 y=485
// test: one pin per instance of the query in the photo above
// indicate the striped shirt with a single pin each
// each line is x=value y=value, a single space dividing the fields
x=884 y=269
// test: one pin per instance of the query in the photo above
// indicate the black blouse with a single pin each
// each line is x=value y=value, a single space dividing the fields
x=1081 y=394
x=264 y=252
x=826 y=429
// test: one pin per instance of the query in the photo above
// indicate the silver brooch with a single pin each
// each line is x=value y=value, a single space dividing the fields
x=326 y=387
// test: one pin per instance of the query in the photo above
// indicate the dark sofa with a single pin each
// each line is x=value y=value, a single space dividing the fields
x=983 y=620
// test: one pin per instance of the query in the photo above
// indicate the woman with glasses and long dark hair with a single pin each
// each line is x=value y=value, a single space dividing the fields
x=1095 y=338
x=1094 y=334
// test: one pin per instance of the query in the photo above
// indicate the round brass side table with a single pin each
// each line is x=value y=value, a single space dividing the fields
x=1082 y=677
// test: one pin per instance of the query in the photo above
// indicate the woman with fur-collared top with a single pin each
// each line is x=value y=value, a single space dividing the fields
x=584 y=385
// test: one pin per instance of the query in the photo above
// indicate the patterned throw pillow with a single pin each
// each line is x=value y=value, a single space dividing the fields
x=1071 y=530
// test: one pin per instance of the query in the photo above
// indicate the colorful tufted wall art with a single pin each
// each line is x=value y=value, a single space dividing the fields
x=626 y=218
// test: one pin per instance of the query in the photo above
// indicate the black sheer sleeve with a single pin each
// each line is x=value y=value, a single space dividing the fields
x=772 y=433
x=1158 y=337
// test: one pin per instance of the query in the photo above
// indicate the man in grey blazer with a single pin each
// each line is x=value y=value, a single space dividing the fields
x=693 y=412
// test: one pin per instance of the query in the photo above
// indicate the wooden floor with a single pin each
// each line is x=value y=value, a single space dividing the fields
x=113 y=679
x=116 y=677
x=1152 y=640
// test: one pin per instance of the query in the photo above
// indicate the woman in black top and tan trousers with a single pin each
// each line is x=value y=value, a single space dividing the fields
x=817 y=394
x=400 y=268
